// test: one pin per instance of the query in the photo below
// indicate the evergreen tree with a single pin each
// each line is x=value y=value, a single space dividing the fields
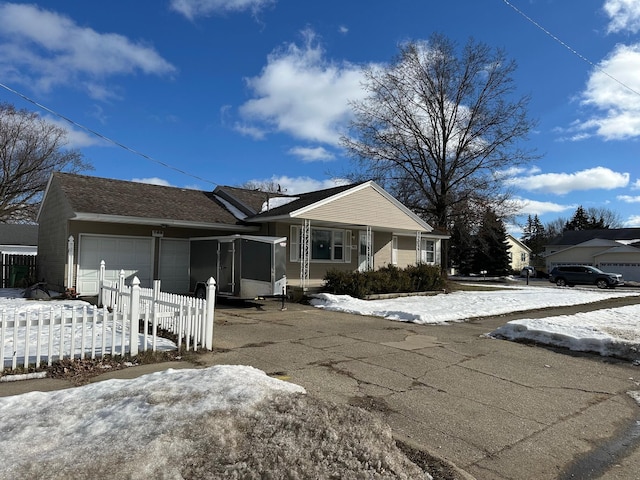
x=461 y=247
x=491 y=252
x=583 y=220
x=534 y=236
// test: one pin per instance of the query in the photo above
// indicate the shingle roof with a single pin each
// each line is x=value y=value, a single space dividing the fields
x=249 y=201
x=574 y=237
x=18 y=234
x=105 y=196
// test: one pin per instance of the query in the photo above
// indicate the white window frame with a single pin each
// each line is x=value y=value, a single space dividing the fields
x=426 y=252
x=295 y=245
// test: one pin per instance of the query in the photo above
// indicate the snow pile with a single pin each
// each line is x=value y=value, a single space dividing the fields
x=609 y=332
x=463 y=305
x=219 y=422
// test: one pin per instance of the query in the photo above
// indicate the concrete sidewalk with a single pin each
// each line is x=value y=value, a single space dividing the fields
x=496 y=409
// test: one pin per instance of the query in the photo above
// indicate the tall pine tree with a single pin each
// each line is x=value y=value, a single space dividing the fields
x=491 y=253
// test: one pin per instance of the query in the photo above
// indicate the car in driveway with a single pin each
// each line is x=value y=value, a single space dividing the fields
x=570 y=275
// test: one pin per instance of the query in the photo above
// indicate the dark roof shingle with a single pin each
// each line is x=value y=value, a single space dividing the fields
x=106 y=196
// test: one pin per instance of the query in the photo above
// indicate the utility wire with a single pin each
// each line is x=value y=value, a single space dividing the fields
x=107 y=139
x=572 y=50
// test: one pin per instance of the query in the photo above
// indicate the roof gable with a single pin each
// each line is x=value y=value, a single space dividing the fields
x=359 y=204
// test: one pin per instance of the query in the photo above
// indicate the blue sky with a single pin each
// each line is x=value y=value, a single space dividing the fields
x=222 y=92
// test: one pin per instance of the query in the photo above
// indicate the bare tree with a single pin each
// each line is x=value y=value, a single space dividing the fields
x=610 y=218
x=437 y=129
x=30 y=149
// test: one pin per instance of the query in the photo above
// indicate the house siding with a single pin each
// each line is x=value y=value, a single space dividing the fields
x=53 y=235
x=406 y=251
x=358 y=208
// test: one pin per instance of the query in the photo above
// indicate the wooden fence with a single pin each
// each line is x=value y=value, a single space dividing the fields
x=126 y=323
x=17 y=270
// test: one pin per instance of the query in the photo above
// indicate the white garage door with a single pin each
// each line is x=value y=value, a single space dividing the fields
x=174 y=265
x=629 y=271
x=134 y=255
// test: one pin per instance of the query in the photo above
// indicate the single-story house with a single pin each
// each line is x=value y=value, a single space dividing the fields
x=614 y=250
x=145 y=230
x=519 y=253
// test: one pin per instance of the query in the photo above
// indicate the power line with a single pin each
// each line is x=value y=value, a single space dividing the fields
x=103 y=137
x=572 y=50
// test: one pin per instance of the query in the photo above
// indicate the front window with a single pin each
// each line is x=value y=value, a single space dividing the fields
x=326 y=244
x=427 y=251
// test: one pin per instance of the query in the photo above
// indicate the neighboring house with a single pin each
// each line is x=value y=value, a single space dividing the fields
x=18 y=250
x=520 y=254
x=18 y=239
x=612 y=250
x=145 y=230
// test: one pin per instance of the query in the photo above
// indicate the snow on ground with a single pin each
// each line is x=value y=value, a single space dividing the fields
x=219 y=422
x=613 y=332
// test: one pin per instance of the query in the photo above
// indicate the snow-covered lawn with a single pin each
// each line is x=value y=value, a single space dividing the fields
x=614 y=332
x=13 y=304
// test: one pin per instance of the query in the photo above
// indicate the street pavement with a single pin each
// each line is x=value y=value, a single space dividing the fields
x=494 y=409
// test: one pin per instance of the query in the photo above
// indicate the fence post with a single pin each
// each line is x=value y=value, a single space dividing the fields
x=209 y=313
x=134 y=317
x=119 y=305
x=101 y=283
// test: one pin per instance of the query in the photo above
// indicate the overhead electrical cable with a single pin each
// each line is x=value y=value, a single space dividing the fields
x=103 y=137
x=572 y=50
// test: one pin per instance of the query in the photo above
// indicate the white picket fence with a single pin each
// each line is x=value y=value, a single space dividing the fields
x=190 y=319
x=43 y=335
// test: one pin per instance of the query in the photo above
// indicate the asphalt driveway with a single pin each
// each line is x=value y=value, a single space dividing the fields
x=495 y=409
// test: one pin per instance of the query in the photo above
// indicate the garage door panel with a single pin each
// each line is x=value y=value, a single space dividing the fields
x=131 y=254
x=174 y=265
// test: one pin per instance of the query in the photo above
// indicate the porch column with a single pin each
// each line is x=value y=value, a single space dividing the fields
x=418 y=247
x=305 y=253
x=368 y=250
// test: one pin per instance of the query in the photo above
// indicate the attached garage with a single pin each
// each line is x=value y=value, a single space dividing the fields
x=134 y=255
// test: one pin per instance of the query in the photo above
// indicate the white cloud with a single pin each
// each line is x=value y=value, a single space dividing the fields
x=153 y=181
x=300 y=93
x=633 y=221
x=527 y=206
x=614 y=96
x=76 y=138
x=45 y=49
x=628 y=199
x=624 y=15
x=297 y=185
x=315 y=154
x=598 y=178
x=636 y=185
x=205 y=8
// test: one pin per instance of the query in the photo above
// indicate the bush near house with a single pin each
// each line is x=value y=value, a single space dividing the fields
x=390 y=279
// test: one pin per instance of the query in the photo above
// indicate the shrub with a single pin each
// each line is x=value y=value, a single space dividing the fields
x=389 y=279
